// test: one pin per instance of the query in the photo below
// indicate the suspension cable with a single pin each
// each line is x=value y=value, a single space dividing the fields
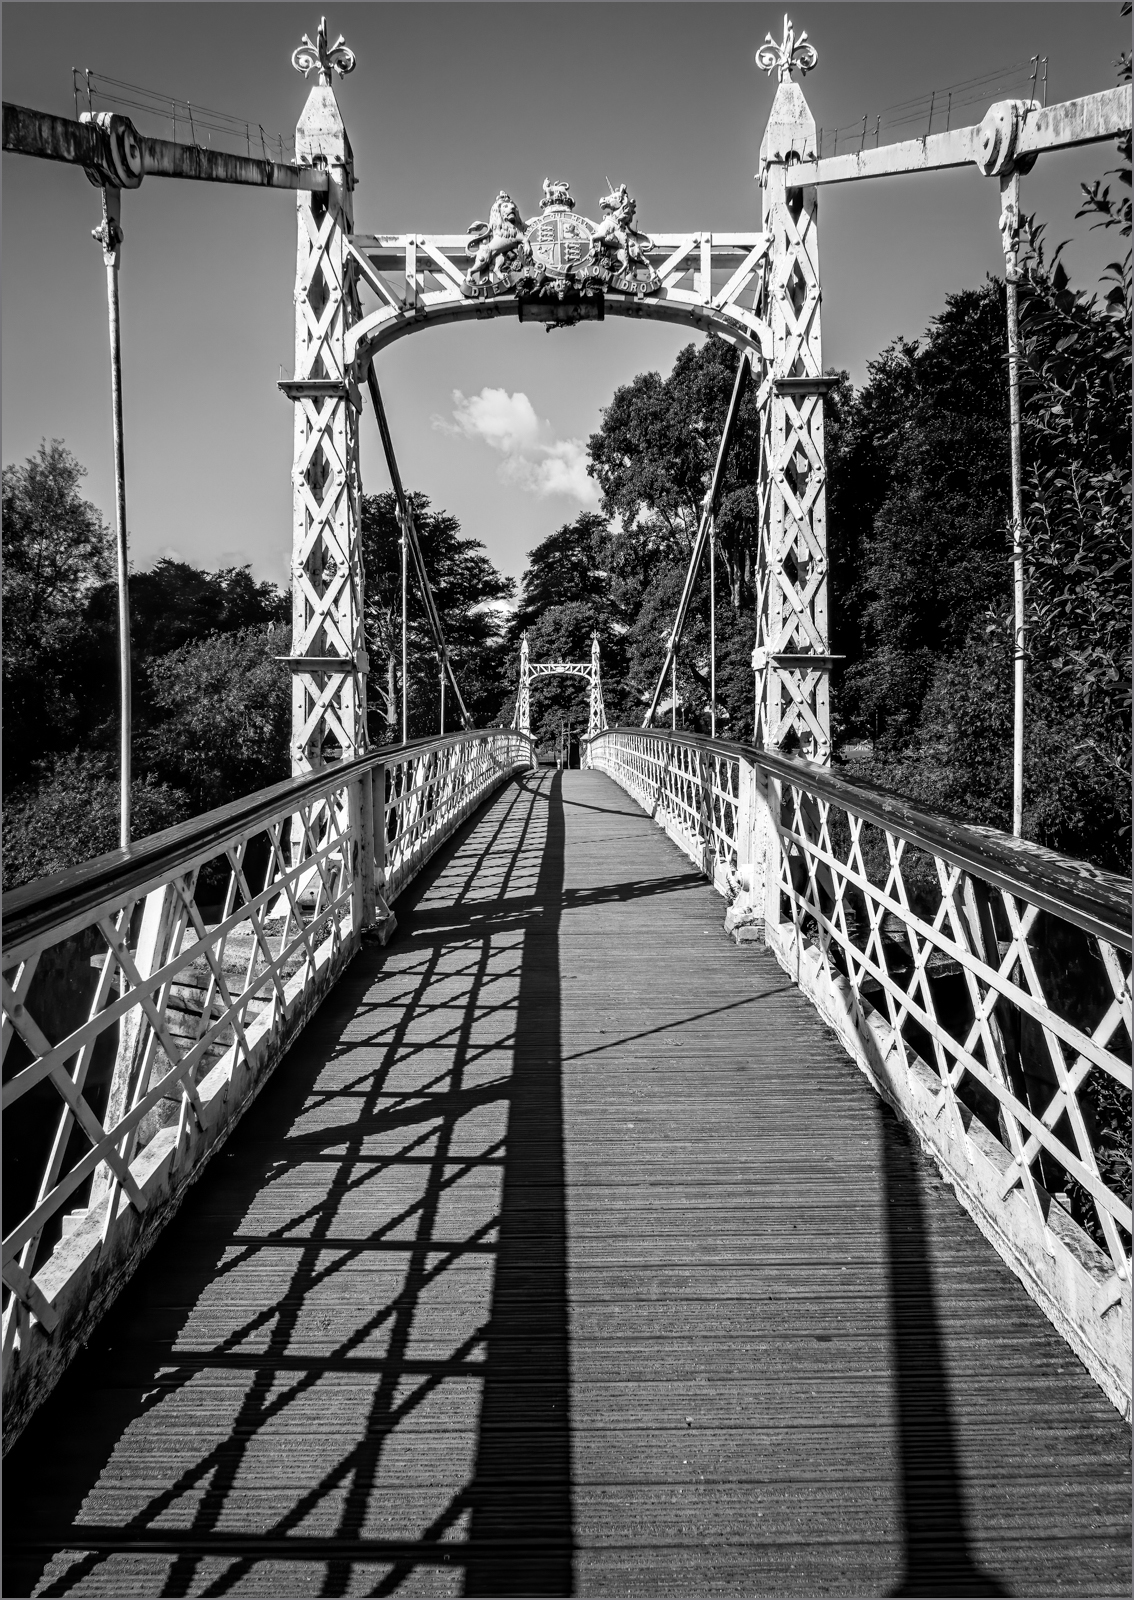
x=409 y=532
x=708 y=512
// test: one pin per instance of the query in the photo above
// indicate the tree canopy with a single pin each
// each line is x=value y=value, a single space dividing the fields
x=468 y=592
x=57 y=551
x=919 y=545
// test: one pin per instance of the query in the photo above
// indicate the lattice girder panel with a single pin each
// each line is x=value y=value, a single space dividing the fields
x=891 y=925
x=427 y=787
x=708 y=280
x=328 y=702
x=140 y=1020
x=945 y=939
x=983 y=984
x=184 y=995
x=692 y=792
x=792 y=700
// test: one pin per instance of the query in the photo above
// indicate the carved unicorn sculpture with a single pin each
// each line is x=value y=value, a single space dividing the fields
x=616 y=234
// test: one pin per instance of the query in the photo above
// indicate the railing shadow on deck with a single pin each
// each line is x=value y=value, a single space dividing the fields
x=517 y=1506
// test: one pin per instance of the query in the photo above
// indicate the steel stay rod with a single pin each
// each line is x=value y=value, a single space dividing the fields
x=125 y=710
x=409 y=531
x=708 y=510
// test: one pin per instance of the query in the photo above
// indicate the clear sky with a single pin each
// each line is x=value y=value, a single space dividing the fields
x=449 y=104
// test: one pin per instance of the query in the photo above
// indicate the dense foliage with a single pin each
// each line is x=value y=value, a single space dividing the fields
x=468 y=592
x=57 y=551
x=920 y=582
x=211 y=705
x=931 y=680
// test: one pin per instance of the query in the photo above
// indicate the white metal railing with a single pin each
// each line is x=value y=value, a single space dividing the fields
x=147 y=995
x=983 y=983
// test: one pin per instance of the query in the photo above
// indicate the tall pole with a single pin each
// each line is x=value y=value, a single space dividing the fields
x=713 y=625
x=442 y=697
x=109 y=235
x=1009 y=233
x=673 y=693
x=405 y=649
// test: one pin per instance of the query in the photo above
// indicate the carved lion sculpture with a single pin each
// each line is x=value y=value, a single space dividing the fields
x=497 y=243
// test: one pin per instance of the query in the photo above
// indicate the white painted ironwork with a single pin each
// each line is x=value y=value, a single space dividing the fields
x=1012 y=133
x=791 y=55
x=329 y=695
x=707 y=280
x=109 y=235
x=197 y=959
x=791 y=660
x=590 y=670
x=942 y=955
x=327 y=59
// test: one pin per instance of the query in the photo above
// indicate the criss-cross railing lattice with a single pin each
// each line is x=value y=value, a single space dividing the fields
x=983 y=982
x=147 y=995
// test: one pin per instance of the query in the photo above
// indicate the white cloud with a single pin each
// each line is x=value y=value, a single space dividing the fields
x=533 y=459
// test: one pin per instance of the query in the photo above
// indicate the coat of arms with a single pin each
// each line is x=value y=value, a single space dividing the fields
x=559 y=242
x=558 y=254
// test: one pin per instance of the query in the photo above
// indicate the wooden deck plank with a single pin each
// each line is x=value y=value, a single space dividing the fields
x=567 y=1251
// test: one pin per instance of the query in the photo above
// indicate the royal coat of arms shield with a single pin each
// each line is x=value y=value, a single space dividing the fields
x=560 y=242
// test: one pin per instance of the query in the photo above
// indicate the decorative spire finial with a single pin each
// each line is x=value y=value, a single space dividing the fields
x=791 y=54
x=339 y=58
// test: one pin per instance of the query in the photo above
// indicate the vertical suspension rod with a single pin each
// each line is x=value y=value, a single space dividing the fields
x=1009 y=224
x=405 y=647
x=109 y=235
x=743 y=373
x=713 y=625
x=409 y=534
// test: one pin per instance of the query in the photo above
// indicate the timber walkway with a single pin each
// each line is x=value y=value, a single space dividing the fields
x=567 y=1251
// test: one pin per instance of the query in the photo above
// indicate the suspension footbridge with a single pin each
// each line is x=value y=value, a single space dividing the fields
x=435 y=1173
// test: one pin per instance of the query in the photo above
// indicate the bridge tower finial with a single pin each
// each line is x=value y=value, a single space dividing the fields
x=791 y=54
x=337 y=58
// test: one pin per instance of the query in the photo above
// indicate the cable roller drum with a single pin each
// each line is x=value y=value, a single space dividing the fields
x=122 y=164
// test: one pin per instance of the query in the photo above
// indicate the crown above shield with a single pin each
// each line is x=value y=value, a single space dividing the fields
x=557 y=193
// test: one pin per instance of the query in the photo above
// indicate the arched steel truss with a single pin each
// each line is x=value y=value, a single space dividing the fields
x=708 y=281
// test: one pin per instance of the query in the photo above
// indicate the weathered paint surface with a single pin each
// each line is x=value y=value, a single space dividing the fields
x=1057 y=127
x=39 y=133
